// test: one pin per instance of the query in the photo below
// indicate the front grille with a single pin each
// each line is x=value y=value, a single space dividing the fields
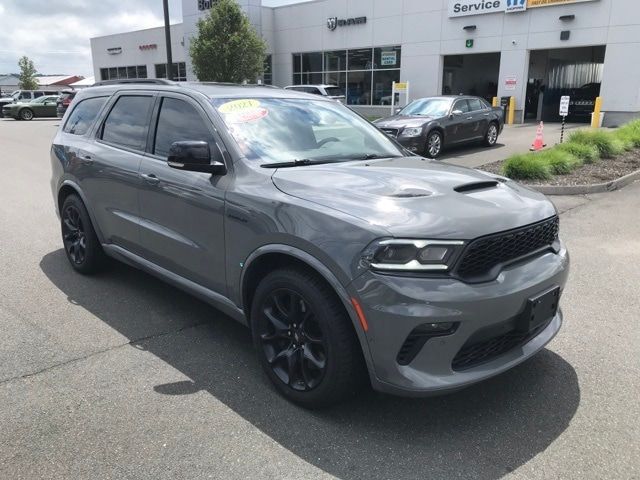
x=475 y=354
x=392 y=132
x=484 y=254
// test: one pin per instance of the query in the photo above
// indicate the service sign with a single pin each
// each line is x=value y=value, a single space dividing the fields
x=389 y=59
x=463 y=8
x=564 y=106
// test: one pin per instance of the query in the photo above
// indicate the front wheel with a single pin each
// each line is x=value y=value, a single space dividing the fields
x=434 y=144
x=304 y=339
x=26 y=114
x=491 y=136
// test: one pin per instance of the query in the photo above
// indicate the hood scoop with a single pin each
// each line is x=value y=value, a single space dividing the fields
x=411 y=193
x=475 y=186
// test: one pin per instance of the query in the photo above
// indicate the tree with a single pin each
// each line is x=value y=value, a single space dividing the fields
x=27 y=74
x=227 y=47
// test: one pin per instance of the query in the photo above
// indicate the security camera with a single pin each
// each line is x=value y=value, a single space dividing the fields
x=513 y=42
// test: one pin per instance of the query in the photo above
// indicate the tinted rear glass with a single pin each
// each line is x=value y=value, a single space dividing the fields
x=128 y=122
x=179 y=121
x=334 y=92
x=83 y=116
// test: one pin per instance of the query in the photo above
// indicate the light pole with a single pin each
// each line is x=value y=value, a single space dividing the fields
x=167 y=35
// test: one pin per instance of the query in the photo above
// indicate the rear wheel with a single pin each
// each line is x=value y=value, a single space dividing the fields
x=26 y=114
x=81 y=243
x=304 y=339
x=491 y=136
x=434 y=144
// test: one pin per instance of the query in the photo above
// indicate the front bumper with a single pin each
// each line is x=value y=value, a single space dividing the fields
x=394 y=306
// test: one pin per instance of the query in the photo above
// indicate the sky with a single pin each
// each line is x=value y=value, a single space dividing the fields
x=55 y=33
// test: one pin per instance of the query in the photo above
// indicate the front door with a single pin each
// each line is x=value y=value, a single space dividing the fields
x=182 y=213
x=457 y=125
x=479 y=119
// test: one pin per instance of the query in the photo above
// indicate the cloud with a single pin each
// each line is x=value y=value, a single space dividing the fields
x=55 y=34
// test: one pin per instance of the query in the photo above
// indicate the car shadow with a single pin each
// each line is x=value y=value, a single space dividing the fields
x=484 y=431
x=457 y=151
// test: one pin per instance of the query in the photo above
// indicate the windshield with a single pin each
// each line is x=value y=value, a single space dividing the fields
x=334 y=92
x=429 y=107
x=275 y=130
x=40 y=100
x=15 y=95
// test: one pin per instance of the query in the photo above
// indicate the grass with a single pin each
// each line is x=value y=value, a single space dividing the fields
x=584 y=146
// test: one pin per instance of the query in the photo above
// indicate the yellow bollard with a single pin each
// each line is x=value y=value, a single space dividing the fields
x=511 y=118
x=595 y=120
x=495 y=102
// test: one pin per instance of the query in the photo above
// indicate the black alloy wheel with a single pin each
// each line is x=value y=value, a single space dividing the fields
x=293 y=341
x=304 y=338
x=81 y=244
x=73 y=235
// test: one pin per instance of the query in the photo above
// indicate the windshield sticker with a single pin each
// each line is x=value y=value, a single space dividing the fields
x=243 y=111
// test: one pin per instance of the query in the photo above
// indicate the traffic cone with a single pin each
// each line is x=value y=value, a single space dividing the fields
x=538 y=143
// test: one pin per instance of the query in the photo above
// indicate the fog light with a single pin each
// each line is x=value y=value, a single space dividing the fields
x=429 y=328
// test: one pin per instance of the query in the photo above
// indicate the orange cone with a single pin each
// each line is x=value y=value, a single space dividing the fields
x=538 y=143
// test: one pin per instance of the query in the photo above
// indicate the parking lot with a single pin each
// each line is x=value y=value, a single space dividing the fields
x=122 y=376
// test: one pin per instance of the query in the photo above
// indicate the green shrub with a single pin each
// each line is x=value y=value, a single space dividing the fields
x=607 y=144
x=559 y=161
x=526 y=167
x=629 y=134
x=585 y=152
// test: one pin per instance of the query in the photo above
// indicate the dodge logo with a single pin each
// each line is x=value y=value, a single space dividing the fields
x=332 y=23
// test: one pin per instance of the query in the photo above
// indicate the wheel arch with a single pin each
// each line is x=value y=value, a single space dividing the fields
x=26 y=108
x=69 y=187
x=266 y=258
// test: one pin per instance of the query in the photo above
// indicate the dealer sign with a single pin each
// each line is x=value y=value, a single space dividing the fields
x=462 y=8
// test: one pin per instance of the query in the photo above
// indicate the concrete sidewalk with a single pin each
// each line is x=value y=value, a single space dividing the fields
x=514 y=139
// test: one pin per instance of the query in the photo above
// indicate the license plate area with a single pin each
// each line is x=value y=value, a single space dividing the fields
x=540 y=310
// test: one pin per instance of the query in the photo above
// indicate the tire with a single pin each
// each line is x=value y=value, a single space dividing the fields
x=26 y=114
x=305 y=340
x=433 y=147
x=79 y=238
x=491 y=137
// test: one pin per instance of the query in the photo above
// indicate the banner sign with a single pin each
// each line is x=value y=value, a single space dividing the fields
x=551 y=3
x=389 y=58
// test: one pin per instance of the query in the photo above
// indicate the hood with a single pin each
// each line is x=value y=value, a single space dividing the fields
x=403 y=121
x=418 y=198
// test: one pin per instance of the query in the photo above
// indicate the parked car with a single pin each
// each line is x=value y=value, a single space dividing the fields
x=40 y=107
x=24 y=96
x=428 y=125
x=344 y=253
x=330 y=91
x=64 y=100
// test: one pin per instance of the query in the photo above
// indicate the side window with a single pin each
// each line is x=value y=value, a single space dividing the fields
x=84 y=115
x=38 y=94
x=179 y=121
x=475 y=104
x=128 y=122
x=25 y=96
x=315 y=91
x=462 y=105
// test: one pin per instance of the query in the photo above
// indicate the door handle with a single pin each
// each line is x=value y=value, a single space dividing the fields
x=487 y=114
x=85 y=158
x=150 y=178
x=469 y=118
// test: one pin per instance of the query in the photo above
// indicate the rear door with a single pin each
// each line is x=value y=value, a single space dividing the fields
x=479 y=119
x=182 y=213
x=457 y=125
x=112 y=164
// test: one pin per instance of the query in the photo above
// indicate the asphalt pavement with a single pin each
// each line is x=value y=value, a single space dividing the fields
x=122 y=376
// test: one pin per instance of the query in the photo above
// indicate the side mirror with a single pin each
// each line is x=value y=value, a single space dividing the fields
x=195 y=156
x=397 y=110
x=456 y=113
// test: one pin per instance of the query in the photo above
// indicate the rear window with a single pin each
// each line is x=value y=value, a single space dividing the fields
x=83 y=116
x=128 y=122
x=334 y=92
x=475 y=104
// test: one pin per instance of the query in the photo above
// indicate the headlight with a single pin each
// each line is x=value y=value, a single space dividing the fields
x=413 y=255
x=411 y=132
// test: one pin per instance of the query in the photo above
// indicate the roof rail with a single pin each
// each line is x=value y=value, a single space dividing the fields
x=231 y=84
x=123 y=81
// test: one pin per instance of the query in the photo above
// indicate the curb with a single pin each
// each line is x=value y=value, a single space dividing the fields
x=588 y=189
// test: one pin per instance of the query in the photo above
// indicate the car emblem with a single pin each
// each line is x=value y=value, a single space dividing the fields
x=332 y=23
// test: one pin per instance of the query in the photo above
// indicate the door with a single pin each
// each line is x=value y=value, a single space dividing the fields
x=182 y=213
x=479 y=119
x=47 y=108
x=111 y=164
x=457 y=125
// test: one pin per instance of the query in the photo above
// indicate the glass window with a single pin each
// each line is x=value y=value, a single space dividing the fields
x=339 y=79
x=38 y=94
x=83 y=115
x=387 y=57
x=132 y=72
x=297 y=63
x=360 y=59
x=334 y=91
x=462 y=105
x=178 y=121
x=142 y=71
x=297 y=79
x=428 y=107
x=311 y=78
x=267 y=76
x=475 y=104
x=128 y=122
x=113 y=73
x=359 y=88
x=271 y=130
x=312 y=62
x=122 y=72
x=104 y=74
x=334 y=61
x=383 y=86
x=161 y=70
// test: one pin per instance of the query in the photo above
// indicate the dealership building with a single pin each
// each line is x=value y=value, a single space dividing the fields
x=532 y=50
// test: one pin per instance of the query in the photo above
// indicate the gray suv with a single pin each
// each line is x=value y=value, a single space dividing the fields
x=350 y=259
